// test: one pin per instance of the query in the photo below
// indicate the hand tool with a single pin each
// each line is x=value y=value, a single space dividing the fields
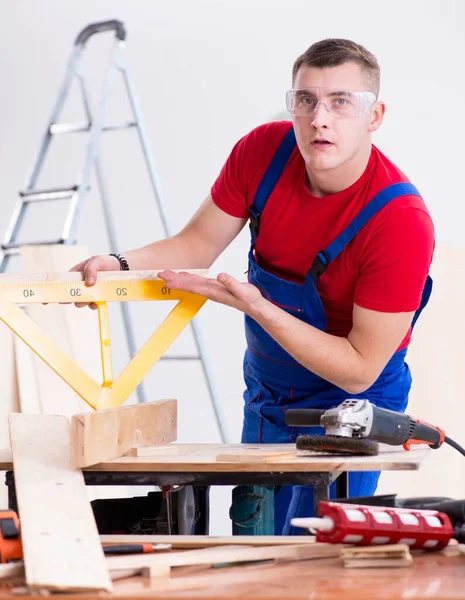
x=355 y=427
x=10 y=539
x=115 y=549
x=367 y=525
x=120 y=286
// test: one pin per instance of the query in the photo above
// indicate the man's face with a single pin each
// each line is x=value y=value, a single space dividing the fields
x=348 y=137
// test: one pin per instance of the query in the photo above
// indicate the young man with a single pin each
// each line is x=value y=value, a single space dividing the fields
x=338 y=265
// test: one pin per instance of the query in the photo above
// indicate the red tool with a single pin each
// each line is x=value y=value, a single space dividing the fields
x=10 y=537
x=371 y=525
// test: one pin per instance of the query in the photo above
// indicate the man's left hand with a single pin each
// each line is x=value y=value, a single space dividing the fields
x=224 y=289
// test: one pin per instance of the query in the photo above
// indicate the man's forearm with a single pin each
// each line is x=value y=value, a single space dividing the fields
x=171 y=253
x=331 y=357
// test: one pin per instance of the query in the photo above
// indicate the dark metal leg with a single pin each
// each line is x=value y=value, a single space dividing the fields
x=202 y=497
x=320 y=494
x=342 y=485
x=10 y=482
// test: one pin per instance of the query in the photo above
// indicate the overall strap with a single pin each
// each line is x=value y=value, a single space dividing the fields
x=269 y=180
x=324 y=257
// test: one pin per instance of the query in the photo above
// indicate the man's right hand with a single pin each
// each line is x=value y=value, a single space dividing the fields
x=90 y=267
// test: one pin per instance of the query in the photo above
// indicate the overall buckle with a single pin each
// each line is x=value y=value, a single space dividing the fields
x=319 y=265
x=255 y=223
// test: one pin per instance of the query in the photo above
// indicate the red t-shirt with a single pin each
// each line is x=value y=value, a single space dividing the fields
x=383 y=268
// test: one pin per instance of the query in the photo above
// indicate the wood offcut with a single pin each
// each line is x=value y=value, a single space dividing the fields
x=110 y=433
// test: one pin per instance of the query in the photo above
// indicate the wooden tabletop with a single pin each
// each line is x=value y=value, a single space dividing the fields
x=431 y=576
x=243 y=458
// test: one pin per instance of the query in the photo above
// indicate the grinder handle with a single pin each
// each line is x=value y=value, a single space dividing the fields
x=424 y=433
x=396 y=428
x=303 y=417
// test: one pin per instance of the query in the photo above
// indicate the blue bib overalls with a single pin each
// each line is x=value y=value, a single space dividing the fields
x=275 y=381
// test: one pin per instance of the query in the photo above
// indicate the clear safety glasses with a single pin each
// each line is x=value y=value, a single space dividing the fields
x=339 y=103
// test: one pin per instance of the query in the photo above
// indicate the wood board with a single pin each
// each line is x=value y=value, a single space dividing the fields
x=61 y=546
x=191 y=458
x=226 y=554
x=109 y=433
x=205 y=541
x=202 y=458
x=9 y=397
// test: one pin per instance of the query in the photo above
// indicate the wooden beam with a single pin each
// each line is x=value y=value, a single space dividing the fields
x=112 y=432
x=61 y=546
x=226 y=554
x=205 y=541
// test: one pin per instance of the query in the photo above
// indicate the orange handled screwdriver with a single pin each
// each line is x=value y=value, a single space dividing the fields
x=111 y=549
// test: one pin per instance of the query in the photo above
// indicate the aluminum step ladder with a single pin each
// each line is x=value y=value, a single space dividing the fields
x=75 y=195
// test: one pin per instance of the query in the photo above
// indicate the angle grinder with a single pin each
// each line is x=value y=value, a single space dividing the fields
x=357 y=426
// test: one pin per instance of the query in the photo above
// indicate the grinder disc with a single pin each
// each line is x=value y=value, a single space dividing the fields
x=332 y=444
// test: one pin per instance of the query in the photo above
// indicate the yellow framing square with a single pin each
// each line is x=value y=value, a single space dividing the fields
x=110 y=394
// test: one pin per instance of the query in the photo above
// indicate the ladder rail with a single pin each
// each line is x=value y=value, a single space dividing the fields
x=71 y=69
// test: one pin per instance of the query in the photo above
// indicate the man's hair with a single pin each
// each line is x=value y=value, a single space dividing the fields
x=335 y=52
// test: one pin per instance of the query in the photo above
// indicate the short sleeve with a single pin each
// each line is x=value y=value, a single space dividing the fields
x=395 y=261
x=229 y=190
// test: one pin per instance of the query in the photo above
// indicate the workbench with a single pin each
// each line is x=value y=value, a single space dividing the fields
x=205 y=465
x=432 y=576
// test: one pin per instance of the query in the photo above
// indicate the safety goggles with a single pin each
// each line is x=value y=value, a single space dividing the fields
x=344 y=104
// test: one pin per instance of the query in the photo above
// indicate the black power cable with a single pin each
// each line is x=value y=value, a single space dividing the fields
x=451 y=442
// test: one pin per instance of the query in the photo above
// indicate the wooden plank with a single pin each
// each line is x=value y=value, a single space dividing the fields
x=9 y=397
x=111 y=432
x=193 y=458
x=205 y=541
x=387 y=556
x=61 y=547
x=202 y=458
x=226 y=554
x=26 y=370
x=153 y=572
x=377 y=563
x=383 y=551
x=253 y=457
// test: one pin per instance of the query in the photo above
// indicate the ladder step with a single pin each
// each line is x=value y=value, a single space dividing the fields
x=45 y=195
x=11 y=247
x=61 y=128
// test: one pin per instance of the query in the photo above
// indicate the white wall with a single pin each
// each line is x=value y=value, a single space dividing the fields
x=207 y=72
